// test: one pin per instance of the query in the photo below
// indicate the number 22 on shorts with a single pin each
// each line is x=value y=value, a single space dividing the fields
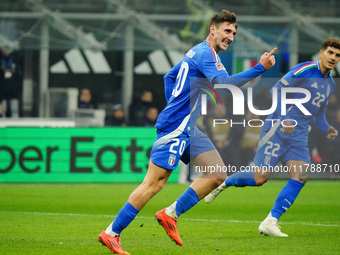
x=271 y=149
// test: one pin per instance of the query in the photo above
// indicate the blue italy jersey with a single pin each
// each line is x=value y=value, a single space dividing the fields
x=183 y=85
x=304 y=75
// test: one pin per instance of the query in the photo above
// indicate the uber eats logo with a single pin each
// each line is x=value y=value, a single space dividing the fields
x=82 y=156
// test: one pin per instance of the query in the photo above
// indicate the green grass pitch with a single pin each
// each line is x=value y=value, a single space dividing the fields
x=67 y=218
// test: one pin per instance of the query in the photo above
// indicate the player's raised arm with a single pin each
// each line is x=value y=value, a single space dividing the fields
x=268 y=59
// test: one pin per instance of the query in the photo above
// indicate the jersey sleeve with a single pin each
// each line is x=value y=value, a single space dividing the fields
x=320 y=118
x=209 y=66
x=217 y=74
x=242 y=78
x=250 y=73
x=170 y=80
x=321 y=121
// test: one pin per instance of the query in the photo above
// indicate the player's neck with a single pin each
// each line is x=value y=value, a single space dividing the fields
x=325 y=71
x=213 y=45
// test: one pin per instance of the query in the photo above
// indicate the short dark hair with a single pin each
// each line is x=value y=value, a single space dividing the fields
x=223 y=16
x=332 y=42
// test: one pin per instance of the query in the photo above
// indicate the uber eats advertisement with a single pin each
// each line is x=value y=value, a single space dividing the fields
x=75 y=154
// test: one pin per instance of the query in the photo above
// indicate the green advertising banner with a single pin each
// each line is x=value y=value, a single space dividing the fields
x=75 y=154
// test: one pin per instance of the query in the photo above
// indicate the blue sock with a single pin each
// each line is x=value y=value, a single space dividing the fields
x=187 y=200
x=241 y=179
x=286 y=197
x=124 y=218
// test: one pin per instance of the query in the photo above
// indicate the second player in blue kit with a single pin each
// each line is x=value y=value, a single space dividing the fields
x=288 y=143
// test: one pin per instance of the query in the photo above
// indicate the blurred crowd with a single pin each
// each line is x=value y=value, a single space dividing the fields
x=143 y=112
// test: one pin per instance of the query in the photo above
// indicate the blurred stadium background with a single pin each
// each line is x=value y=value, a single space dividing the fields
x=118 y=49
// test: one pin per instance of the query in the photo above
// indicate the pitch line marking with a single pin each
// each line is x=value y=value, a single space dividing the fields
x=304 y=223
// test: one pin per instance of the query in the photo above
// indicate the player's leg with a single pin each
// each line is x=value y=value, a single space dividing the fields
x=204 y=156
x=166 y=152
x=211 y=178
x=153 y=182
x=266 y=158
x=201 y=186
x=290 y=191
x=160 y=168
x=197 y=190
x=255 y=177
x=283 y=201
x=288 y=194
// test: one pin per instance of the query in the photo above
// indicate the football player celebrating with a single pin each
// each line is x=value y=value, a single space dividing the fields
x=177 y=136
x=288 y=143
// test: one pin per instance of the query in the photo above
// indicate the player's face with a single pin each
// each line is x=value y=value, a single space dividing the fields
x=223 y=35
x=329 y=57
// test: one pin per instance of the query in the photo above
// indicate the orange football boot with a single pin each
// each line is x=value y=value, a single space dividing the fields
x=113 y=243
x=170 y=226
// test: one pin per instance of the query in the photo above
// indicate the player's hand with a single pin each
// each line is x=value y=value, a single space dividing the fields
x=288 y=128
x=268 y=59
x=332 y=133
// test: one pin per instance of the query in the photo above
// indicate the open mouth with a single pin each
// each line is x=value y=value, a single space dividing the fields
x=227 y=43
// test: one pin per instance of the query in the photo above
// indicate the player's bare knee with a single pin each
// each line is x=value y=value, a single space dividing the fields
x=153 y=187
x=156 y=187
x=160 y=186
x=261 y=181
x=220 y=180
x=300 y=179
x=215 y=182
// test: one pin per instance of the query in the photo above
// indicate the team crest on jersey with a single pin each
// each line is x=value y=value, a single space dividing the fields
x=219 y=66
x=267 y=160
x=172 y=159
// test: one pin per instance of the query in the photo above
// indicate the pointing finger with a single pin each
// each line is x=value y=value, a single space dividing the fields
x=272 y=52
